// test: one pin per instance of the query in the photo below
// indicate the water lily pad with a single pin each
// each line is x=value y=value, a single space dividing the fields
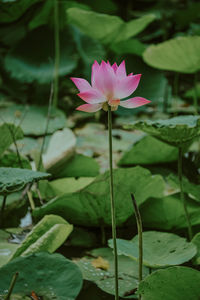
x=104 y=279
x=32 y=119
x=27 y=63
x=180 y=283
x=143 y=152
x=48 y=235
x=175 y=131
x=39 y=273
x=167 y=213
x=161 y=249
x=15 y=179
x=180 y=54
x=9 y=132
x=91 y=205
x=60 y=148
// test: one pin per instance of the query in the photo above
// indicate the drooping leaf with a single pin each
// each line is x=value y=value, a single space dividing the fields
x=15 y=179
x=33 y=119
x=9 y=133
x=39 y=273
x=55 y=156
x=27 y=63
x=106 y=28
x=161 y=249
x=175 y=131
x=180 y=54
x=91 y=205
x=180 y=283
x=168 y=213
x=47 y=235
x=143 y=152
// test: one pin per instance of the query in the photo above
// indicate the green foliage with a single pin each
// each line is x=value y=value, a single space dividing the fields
x=32 y=119
x=143 y=152
x=15 y=179
x=9 y=133
x=106 y=28
x=6 y=248
x=39 y=273
x=175 y=131
x=26 y=64
x=196 y=241
x=91 y=205
x=180 y=283
x=180 y=55
x=161 y=249
x=48 y=235
x=167 y=213
x=69 y=185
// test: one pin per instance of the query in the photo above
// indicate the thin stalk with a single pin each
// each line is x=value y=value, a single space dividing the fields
x=139 y=228
x=47 y=125
x=12 y=284
x=195 y=95
x=2 y=209
x=113 y=203
x=57 y=52
x=176 y=81
x=180 y=176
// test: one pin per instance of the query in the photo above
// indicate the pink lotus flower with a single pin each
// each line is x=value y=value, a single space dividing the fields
x=110 y=84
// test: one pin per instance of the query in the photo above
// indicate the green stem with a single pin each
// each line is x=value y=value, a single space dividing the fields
x=176 y=81
x=113 y=203
x=139 y=228
x=195 y=96
x=12 y=284
x=57 y=52
x=2 y=209
x=180 y=168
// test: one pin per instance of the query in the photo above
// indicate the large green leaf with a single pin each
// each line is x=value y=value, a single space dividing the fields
x=106 y=28
x=180 y=54
x=100 y=270
x=49 y=234
x=175 y=131
x=12 y=10
x=39 y=273
x=9 y=133
x=15 y=179
x=33 y=119
x=79 y=166
x=143 y=152
x=168 y=213
x=28 y=63
x=55 y=157
x=132 y=46
x=161 y=249
x=175 y=283
x=91 y=205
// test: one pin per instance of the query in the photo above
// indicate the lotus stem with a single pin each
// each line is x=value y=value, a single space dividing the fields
x=113 y=203
x=139 y=228
x=57 y=52
x=2 y=209
x=12 y=284
x=182 y=197
x=195 y=95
